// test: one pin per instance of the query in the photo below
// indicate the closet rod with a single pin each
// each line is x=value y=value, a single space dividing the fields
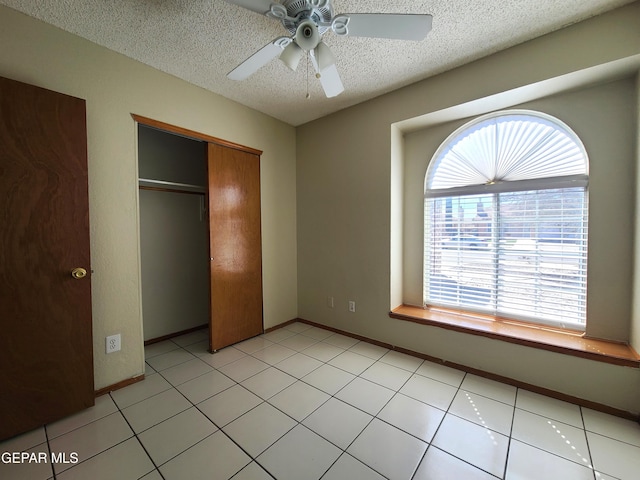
x=170 y=186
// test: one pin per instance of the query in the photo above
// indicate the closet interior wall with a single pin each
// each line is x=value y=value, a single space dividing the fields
x=173 y=232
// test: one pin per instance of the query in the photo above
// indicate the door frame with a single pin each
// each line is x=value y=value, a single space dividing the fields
x=167 y=127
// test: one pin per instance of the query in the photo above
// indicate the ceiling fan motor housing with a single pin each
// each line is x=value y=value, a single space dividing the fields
x=307 y=36
x=318 y=11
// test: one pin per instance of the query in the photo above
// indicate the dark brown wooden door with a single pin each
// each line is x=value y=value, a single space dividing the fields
x=46 y=353
x=235 y=245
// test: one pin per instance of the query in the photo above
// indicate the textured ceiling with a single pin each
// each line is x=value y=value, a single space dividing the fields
x=200 y=41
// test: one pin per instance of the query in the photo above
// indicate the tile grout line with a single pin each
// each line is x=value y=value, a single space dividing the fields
x=513 y=419
x=137 y=439
x=134 y=435
x=446 y=412
x=46 y=435
x=586 y=438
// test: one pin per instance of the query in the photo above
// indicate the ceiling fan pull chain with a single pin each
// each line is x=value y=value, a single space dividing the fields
x=308 y=96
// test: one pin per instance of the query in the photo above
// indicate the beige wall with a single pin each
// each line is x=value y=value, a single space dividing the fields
x=351 y=180
x=114 y=87
x=635 y=323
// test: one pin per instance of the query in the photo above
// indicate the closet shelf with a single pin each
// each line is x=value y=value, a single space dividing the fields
x=175 y=186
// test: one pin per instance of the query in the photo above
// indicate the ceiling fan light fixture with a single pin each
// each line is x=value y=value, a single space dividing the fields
x=307 y=35
x=291 y=56
x=324 y=56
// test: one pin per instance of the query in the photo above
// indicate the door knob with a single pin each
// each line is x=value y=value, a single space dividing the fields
x=78 y=273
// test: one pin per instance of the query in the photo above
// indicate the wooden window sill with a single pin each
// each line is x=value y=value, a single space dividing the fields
x=554 y=340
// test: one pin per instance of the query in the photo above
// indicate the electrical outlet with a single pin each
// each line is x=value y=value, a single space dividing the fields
x=113 y=343
x=330 y=303
x=352 y=306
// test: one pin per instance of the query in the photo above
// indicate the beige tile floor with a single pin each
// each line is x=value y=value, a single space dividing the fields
x=304 y=403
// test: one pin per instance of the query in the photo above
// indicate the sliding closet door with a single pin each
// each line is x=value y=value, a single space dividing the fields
x=235 y=245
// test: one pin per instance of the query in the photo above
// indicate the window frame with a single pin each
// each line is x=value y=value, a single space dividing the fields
x=495 y=187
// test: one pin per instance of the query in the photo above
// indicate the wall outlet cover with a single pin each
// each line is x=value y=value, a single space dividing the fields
x=113 y=343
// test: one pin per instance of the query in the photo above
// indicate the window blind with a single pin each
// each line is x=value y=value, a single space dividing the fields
x=520 y=255
x=506 y=220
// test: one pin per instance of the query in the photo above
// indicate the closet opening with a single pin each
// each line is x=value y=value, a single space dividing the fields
x=200 y=236
x=174 y=232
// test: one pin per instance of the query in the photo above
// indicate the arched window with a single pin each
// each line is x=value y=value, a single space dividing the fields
x=505 y=218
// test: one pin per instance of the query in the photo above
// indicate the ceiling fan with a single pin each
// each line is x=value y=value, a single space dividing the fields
x=308 y=20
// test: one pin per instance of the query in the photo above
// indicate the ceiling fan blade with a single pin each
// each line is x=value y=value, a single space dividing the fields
x=330 y=81
x=258 y=6
x=329 y=76
x=386 y=25
x=259 y=59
